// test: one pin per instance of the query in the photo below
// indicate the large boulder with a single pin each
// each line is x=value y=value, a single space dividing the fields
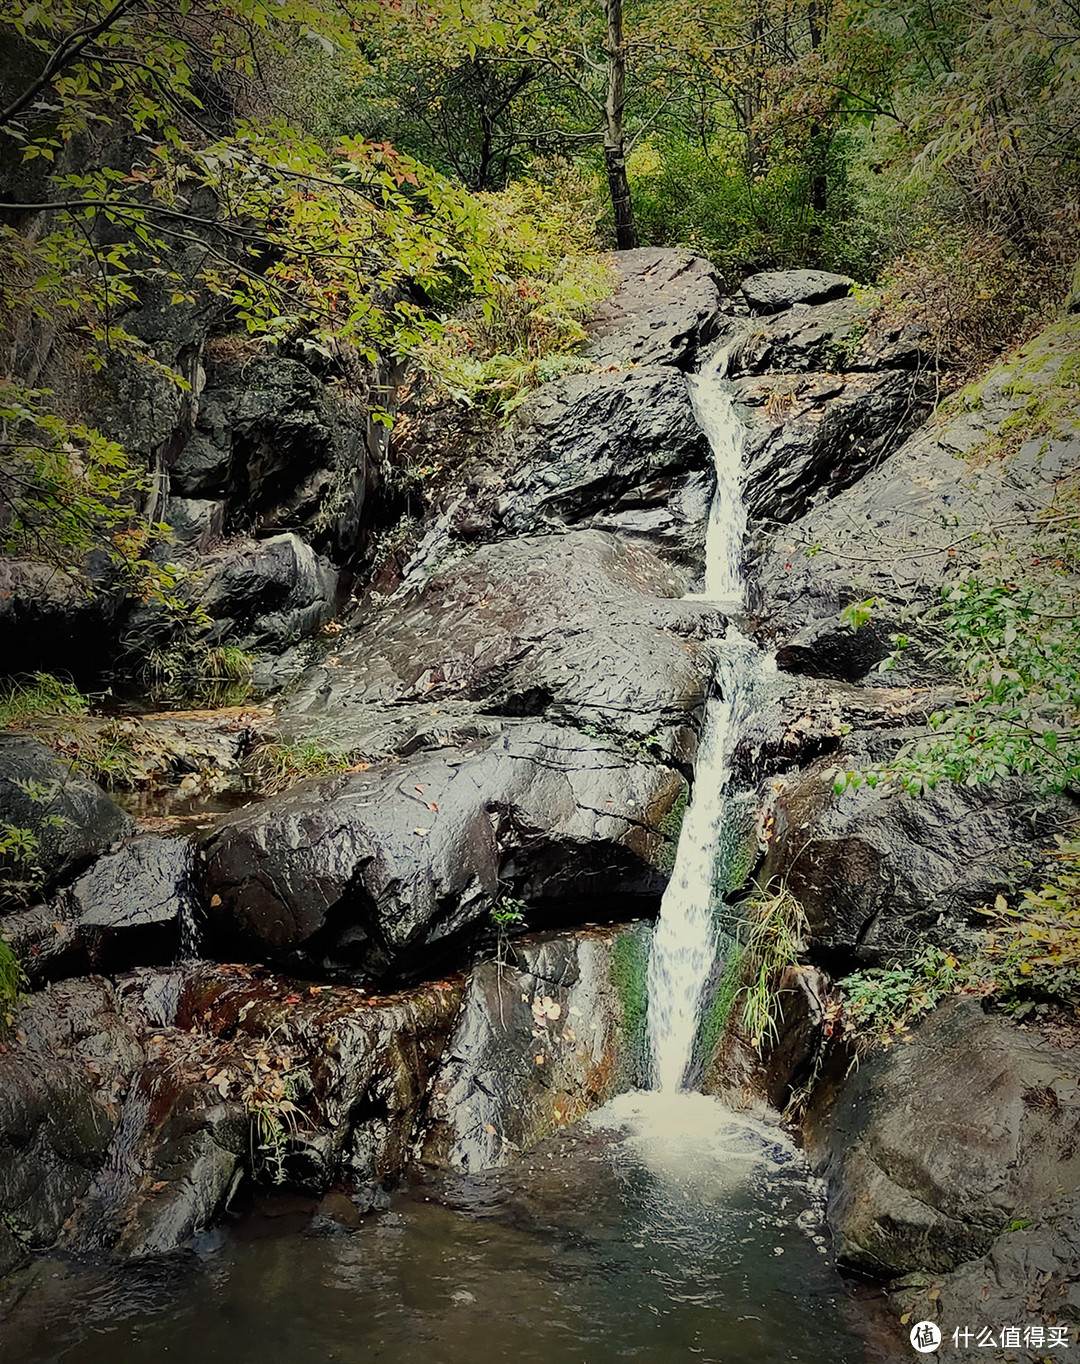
x=380 y=870
x=875 y=869
x=271 y=443
x=550 y=1031
x=665 y=309
x=133 y=907
x=810 y=436
x=607 y=443
x=926 y=511
x=774 y=290
x=582 y=628
x=934 y=1147
x=266 y=594
x=70 y=817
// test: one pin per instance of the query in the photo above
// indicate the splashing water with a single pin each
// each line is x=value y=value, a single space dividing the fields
x=685 y=941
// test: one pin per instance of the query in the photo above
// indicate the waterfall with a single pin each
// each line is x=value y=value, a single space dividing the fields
x=685 y=941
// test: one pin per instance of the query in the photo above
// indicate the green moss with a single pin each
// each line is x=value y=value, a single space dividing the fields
x=717 y=1011
x=1045 y=377
x=671 y=826
x=630 y=977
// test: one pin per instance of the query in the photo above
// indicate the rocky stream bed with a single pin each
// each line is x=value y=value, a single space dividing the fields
x=306 y=990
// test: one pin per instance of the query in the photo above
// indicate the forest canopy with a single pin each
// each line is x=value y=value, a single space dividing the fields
x=362 y=177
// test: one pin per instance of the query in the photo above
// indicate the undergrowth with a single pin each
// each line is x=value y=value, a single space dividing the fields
x=1028 y=956
x=38 y=695
x=771 y=938
x=12 y=983
x=278 y=764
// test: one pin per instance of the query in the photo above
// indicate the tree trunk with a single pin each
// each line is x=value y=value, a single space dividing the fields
x=614 y=133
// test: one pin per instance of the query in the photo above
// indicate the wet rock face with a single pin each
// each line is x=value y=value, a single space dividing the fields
x=893 y=535
x=267 y=594
x=610 y=444
x=129 y=1110
x=63 y=1070
x=582 y=628
x=664 y=311
x=875 y=871
x=376 y=871
x=932 y=1148
x=71 y=817
x=269 y=444
x=547 y=1033
x=811 y=436
x=127 y=910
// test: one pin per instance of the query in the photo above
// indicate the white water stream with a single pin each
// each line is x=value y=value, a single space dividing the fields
x=684 y=944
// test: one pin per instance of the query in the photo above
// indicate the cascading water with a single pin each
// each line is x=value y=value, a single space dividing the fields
x=685 y=941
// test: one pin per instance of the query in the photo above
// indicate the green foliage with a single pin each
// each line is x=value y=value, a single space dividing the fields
x=508 y=913
x=880 y=1004
x=1007 y=619
x=671 y=827
x=776 y=927
x=707 y=196
x=1034 y=950
x=252 y=222
x=12 y=981
x=771 y=931
x=34 y=696
x=20 y=870
x=528 y=327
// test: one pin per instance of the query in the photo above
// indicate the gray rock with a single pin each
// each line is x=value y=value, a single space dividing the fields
x=544 y=1036
x=932 y=1147
x=273 y=442
x=198 y=524
x=775 y=290
x=71 y=817
x=665 y=309
x=62 y=1075
x=581 y=628
x=811 y=436
x=875 y=870
x=125 y=1108
x=379 y=870
x=267 y=594
x=601 y=444
x=1029 y=1277
x=127 y=910
x=893 y=535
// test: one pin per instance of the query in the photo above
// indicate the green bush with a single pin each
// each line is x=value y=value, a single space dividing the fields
x=12 y=983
